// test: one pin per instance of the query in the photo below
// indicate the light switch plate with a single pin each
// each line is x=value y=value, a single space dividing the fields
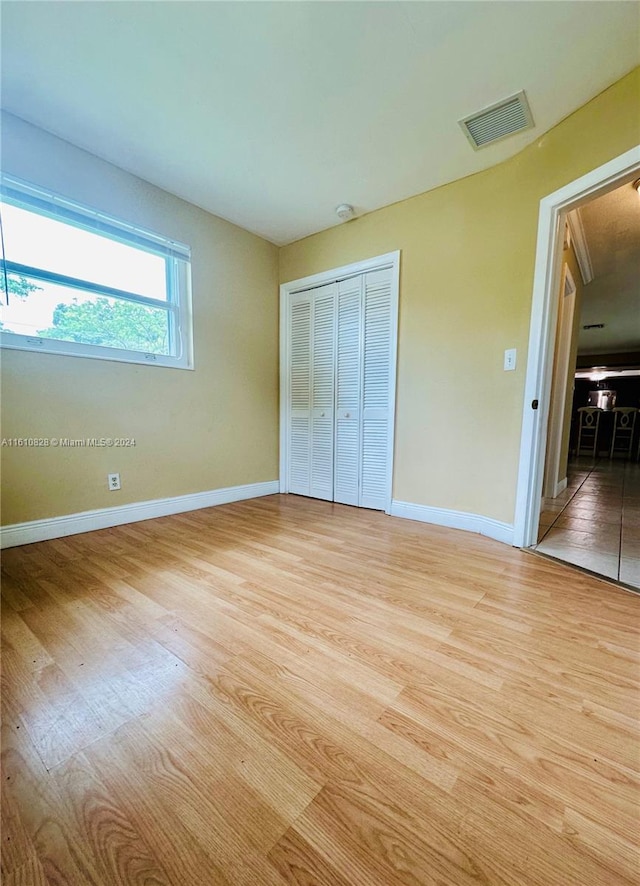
x=509 y=359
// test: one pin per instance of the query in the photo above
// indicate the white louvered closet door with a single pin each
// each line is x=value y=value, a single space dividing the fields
x=299 y=431
x=340 y=396
x=348 y=391
x=376 y=390
x=322 y=391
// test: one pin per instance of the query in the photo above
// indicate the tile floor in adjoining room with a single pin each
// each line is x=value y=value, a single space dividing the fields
x=595 y=522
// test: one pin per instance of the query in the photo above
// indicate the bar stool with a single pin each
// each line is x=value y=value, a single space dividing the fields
x=624 y=423
x=588 y=428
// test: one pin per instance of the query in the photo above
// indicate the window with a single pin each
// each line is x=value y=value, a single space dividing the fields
x=78 y=282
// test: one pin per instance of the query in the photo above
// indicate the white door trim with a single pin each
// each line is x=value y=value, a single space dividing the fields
x=544 y=311
x=377 y=263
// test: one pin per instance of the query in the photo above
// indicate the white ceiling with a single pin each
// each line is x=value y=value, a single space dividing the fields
x=611 y=226
x=270 y=114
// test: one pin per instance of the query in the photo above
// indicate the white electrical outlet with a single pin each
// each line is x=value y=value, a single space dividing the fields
x=509 y=359
x=113 y=481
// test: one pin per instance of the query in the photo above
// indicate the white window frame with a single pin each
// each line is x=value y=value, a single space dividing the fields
x=178 y=268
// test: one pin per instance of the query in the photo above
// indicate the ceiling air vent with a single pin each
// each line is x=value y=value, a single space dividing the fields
x=505 y=118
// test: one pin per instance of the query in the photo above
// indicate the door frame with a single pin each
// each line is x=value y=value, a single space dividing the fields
x=544 y=314
x=552 y=484
x=377 y=263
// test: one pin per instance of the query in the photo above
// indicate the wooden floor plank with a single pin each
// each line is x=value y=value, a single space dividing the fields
x=65 y=859
x=28 y=874
x=181 y=855
x=120 y=853
x=289 y=691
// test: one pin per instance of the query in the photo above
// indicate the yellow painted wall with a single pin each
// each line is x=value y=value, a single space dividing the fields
x=468 y=252
x=195 y=431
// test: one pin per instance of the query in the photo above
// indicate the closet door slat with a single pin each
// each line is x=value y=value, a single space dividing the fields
x=300 y=395
x=348 y=392
x=322 y=392
x=376 y=396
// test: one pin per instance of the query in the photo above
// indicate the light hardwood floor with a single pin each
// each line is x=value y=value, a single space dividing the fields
x=289 y=691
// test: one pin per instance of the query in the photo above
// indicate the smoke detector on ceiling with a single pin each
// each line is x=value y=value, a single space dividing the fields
x=345 y=211
x=492 y=124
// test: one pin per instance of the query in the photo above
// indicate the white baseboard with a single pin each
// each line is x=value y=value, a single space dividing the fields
x=73 y=524
x=560 y=487
x=454 y=520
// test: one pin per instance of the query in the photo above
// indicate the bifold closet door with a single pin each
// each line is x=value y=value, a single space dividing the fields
x=377 y=415
x=340 y=396
x=311 y=392
x=363 y=390
x=348 y=391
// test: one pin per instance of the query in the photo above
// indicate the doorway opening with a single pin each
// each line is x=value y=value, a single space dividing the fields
x=549 y=327
x=590 y=512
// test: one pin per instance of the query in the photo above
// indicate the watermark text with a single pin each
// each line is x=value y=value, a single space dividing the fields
x=67 y=442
